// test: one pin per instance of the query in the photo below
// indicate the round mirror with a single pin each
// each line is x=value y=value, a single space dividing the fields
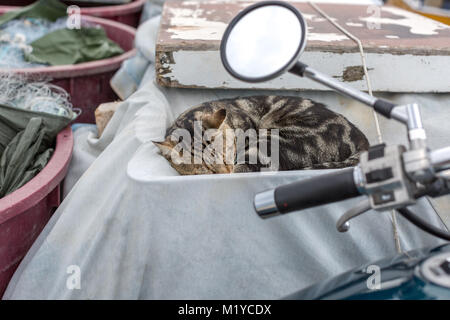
x=263 y=41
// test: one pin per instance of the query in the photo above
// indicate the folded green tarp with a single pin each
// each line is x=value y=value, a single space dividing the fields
x=63 y=46
x=23 y=158
x=26 y=144
x=50 y=10
x=71 y=46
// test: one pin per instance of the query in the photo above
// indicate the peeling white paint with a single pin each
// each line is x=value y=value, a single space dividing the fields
x=406 y=73
x=354 y=24
x=189 y=3
x=315 y=18
x=328 y=37
x=185 y=12
x=417 y=24
x=392 y=36
x=308 y=16
x=189 y=26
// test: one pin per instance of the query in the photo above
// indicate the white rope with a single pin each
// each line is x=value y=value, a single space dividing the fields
x=369 y=89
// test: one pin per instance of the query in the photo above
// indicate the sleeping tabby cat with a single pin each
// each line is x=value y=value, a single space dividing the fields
x=310 y=136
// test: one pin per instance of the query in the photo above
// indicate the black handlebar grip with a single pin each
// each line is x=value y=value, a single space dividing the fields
x=384 y=107
x=307 y=193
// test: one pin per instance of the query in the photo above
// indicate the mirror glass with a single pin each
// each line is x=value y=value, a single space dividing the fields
x=263 y=43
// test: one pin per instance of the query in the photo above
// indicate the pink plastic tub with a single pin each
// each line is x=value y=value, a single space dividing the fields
x=88 y=83
x=25 y=212
x=129 y=13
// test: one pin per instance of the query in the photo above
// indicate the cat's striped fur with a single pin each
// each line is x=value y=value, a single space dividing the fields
x=310 y=135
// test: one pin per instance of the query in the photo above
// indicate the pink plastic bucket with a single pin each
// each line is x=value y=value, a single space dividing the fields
x=129 y=13
x=88 y=83
x=25 y=212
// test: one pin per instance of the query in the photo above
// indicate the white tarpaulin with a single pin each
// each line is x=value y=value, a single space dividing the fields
x=132 y=228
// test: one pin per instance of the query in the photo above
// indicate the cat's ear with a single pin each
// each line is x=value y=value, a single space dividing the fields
x=215 y=120
x=165 y=147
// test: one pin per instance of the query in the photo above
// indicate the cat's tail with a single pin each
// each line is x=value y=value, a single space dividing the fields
x=351 y=161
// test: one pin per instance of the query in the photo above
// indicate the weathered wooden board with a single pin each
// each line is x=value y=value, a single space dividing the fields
x=405 y=52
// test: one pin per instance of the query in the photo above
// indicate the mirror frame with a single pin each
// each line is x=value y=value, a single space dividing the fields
x=243 y=13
